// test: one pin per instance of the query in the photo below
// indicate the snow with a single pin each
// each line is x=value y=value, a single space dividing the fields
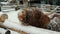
x=3 y=31
x=13 y=16
x=5 y=2
x=12 y=32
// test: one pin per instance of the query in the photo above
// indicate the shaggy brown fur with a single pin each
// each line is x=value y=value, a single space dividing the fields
x=34 y=18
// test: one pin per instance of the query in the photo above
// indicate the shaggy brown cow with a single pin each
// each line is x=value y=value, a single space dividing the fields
x=34 y=18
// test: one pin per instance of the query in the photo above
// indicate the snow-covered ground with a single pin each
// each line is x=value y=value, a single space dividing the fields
x=5 y=3
x=3 y=31
x=7 y=8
